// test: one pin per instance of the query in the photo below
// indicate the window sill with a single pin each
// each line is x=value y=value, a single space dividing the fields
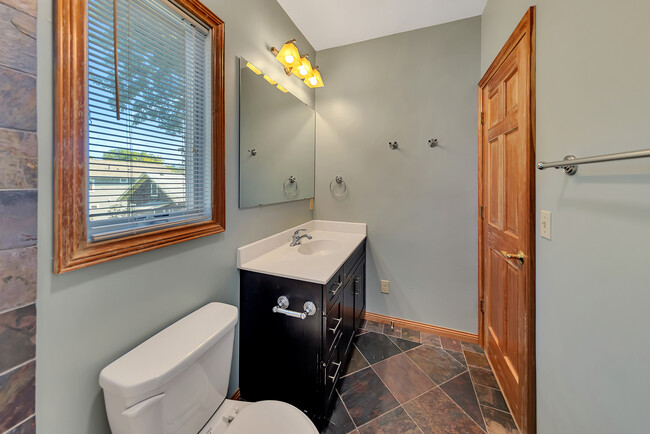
x=98 y=252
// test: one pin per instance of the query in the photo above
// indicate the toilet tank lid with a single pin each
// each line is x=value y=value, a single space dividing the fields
x=161 y=357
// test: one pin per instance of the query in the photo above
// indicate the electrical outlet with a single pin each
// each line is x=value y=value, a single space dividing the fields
x=384 y=286
x=311 y=204
x=545 y=224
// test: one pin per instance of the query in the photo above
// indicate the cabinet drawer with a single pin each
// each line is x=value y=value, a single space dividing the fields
x=333 y=289
x=333 y=325
x=349 y=266
x=333 y=371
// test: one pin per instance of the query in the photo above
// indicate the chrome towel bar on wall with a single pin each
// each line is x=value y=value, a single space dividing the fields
x=570 y=162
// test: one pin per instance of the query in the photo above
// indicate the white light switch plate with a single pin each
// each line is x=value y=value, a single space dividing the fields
x=545 y=224
x=384 y=286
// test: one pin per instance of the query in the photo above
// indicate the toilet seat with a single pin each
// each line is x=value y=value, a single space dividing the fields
x=271 y=417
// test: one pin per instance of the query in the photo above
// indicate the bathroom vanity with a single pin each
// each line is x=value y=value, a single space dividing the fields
x=300 y=309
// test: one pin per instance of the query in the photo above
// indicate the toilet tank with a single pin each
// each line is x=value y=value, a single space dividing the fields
x=174 y=381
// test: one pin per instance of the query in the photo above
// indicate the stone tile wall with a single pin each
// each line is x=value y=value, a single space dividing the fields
x=18 y=199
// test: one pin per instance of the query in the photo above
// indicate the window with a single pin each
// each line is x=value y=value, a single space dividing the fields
x=140 y=145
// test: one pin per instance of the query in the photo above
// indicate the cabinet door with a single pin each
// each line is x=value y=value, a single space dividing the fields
x=359 y=290
x=348 y=316
x=279 y=355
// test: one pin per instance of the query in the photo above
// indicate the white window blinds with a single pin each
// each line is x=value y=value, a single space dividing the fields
x=149 y=130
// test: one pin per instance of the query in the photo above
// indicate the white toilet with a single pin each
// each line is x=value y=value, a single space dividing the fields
x=176 y=382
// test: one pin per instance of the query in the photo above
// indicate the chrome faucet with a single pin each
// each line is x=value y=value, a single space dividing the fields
x=298 y=238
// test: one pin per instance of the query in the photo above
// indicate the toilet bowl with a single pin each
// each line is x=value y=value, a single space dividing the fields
x=176 y=383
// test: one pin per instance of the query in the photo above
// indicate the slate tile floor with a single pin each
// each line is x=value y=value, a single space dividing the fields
x=404 y=381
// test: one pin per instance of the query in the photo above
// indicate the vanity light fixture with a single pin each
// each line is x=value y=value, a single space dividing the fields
x=288 y=55
x=297 y=65
x=304 y=70
x=315 y=80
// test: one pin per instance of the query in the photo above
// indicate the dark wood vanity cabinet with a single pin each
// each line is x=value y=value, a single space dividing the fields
x=295 y=360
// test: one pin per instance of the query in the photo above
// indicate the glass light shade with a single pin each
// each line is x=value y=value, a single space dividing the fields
x=270 y=80
x=315 y=80
x=253 y=68
x=305 y=66
x=282 y=88
x=289 y=56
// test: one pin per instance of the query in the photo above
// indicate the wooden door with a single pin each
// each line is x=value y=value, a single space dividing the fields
x=506 y=224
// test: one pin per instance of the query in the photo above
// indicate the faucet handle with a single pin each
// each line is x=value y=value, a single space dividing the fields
x=298 y=231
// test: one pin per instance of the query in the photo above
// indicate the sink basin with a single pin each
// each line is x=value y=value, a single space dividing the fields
x=314 y=261
x=318 y=247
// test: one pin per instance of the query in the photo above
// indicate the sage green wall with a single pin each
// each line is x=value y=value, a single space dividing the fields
x=89 y=317
x=419 y=202
x=592 y=278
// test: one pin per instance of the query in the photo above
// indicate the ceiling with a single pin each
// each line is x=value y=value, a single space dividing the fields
x=332 y=23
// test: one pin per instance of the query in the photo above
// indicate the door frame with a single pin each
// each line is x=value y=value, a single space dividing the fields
x=526 y=25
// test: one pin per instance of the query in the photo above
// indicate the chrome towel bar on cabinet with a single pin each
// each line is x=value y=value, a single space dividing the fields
x=570 y=162
x=283 y=304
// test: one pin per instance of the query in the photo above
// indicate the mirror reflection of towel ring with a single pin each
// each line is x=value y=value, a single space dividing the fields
x=290 y=186
x=342 y=186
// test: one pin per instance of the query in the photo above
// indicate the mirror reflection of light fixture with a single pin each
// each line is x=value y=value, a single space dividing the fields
x=253 y=68
x=270 y=80
x=304 y=70
x=315 y=80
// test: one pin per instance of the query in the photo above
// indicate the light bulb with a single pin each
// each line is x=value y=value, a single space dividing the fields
x=303 y=70
x=313 y=81
x=289 y=58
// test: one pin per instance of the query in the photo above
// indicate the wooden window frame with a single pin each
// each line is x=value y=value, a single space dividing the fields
x=72 y=250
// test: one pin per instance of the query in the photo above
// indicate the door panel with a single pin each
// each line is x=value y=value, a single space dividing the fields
x=512 y=91
x=495 y=107
x=511 y=315
x=506 y=140
x=496 y=319
x=513 y=163
x=495 y=183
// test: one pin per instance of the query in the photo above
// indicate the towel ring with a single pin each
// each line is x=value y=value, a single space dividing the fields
x=287 y=185
x=340 y=182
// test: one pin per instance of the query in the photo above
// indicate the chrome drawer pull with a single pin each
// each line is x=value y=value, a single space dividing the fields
x=283 y=304
x=338 y=323
x=338 y=366
x=338 y=286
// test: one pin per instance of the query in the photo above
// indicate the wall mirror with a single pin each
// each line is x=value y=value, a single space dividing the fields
x=276 y=142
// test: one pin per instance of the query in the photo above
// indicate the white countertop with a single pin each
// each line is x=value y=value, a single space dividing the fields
x=314 y=260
